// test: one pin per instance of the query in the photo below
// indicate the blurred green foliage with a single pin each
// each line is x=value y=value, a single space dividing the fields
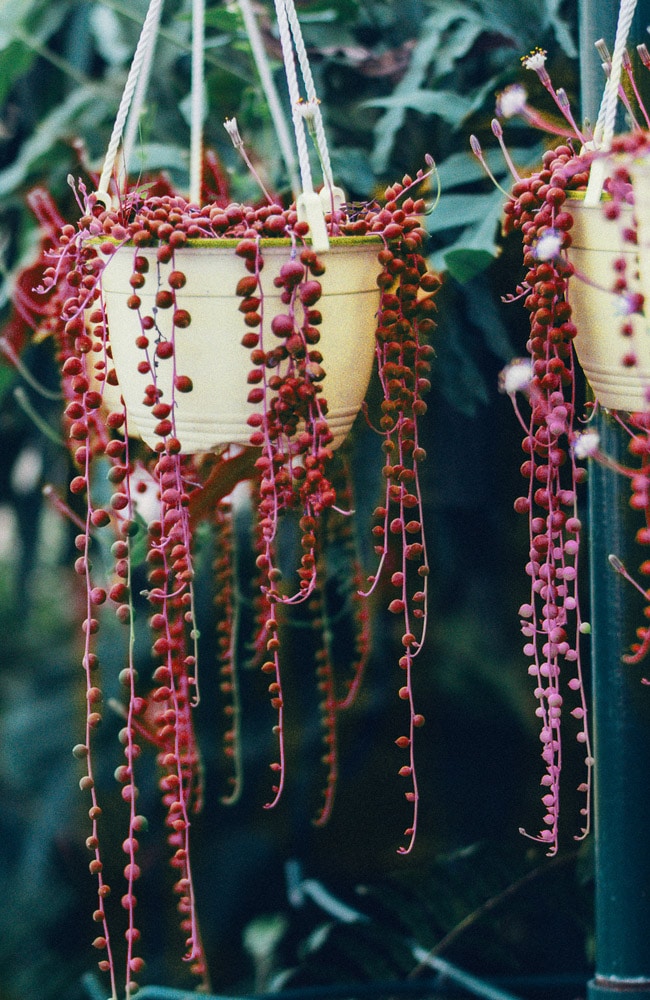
x=398 y=79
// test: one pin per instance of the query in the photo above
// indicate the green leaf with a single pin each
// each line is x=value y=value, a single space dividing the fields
x=456 y=210
x=464 y=168
x=153 y=156
x=446 y=104
x=524 y=21
x=14 y=14
x=52 y=129
x=15 y=61
x=561 y=29
x=459 y=40
x=482 y=216
x=227 y=19
x=340 y=10
x=109 y=37
x=327 y=34
x=352 y=170
x=463 y=265
x=138 y=542
x=7 y=380
x=389 y=124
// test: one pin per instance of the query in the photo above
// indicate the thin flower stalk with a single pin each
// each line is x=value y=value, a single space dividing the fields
x=536 y=62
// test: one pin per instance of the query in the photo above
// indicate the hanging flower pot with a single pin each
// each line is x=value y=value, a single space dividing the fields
x=290 y=337
x=202 y=334
x=581 y=289
x=639 y=169
x=617 y=367
x=238 y=342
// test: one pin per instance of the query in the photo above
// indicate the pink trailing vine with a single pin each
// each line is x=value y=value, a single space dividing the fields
x=554 y=443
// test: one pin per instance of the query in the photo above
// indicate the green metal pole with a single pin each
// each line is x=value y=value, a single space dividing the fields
x=621 y=703
x=621 y=732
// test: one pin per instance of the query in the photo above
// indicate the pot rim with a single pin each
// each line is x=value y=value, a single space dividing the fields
x=579 y=197
x=230 y=243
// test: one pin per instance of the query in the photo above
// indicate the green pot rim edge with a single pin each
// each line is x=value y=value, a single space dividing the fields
x=229 y=243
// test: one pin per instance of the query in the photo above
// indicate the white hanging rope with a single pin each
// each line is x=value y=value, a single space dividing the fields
x=294 y=96
x=310 y=91
x=133 y=121
x=149 y=28
x=610 y=97
x=310 y=206
x=604 y=130
x=198 y=101
x=270 y=92
x=133 y=98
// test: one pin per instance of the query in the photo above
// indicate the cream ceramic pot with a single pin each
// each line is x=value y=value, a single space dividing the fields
x=209 y=350
x=597 y=313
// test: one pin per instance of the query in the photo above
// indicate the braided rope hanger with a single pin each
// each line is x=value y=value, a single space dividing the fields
x=139 y=95
x=145 y=45
x=605 y=124
x=311 y=207
x=133 y=98
x=305 y=69
x=197 y=107
x=282 y=130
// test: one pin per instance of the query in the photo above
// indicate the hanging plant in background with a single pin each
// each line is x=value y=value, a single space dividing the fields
x=131 y=294
x=551 y=621
x=581 y=289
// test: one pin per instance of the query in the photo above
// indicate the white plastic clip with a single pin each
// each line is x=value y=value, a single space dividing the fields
x=597 y=177
x=332 y=198
x=310 y=210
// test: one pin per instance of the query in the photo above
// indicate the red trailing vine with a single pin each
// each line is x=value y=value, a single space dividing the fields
x=289 y=463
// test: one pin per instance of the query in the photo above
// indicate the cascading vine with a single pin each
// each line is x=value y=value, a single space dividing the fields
x=287 y=458
x=291 y=469
x=550 y=620
x=224 y=569
x=592 y=177
x=405 y=318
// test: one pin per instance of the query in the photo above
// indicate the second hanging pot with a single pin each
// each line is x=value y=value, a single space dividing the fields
x=604 y=353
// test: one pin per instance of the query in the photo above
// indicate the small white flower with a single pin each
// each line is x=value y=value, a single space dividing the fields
x=535 y=61
x=308 y=111
x=516 y=376
x=586 y=444
x=548 y=245
x=232 y=129
x=511 y=101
